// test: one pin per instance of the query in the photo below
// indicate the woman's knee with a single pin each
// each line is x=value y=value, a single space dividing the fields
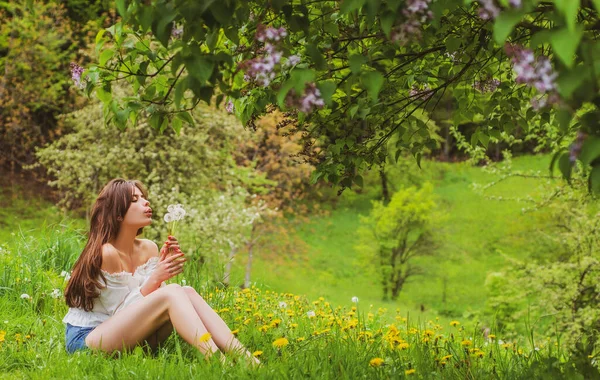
x=191 y=291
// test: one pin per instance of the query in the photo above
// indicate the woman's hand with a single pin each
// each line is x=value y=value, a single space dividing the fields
x=170 y=246
x=171 y=261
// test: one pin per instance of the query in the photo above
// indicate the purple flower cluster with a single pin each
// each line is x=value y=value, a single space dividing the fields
x=489 y=10
x=416 y=13
x=535 y=72
x=310 y=99
x=262 y=68
x=229 y=107
x=76 y=72
x=575 y=148
x=177 y=31
x=486 y=85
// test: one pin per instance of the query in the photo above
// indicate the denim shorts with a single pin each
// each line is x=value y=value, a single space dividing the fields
x=75 y=337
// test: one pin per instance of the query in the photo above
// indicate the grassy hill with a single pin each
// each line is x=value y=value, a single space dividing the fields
x=480 y=236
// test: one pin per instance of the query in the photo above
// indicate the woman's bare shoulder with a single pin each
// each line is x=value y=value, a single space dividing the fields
x=111 y=262
x=148 y=248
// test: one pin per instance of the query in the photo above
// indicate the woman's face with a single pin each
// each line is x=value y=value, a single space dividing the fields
x=139 y=213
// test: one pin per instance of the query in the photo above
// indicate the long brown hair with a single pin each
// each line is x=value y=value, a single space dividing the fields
x=110 y=206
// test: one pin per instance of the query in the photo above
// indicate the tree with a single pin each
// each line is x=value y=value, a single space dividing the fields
x=394 y=234
x=36 y=48
x=356 y=71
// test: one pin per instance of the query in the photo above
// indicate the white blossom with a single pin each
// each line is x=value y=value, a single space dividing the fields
x=25 y=296
x=355 y=299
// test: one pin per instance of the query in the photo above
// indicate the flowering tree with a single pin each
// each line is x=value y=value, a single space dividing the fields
x=356 y=71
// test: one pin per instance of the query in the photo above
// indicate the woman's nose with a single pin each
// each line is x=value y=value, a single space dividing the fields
x=147 y=203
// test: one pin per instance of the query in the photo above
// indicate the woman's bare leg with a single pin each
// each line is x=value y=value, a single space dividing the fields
x=221 y=333
x=132 y=325
x=159 y=336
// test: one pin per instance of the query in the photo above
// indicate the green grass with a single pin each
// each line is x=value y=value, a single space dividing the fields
x=479 y=237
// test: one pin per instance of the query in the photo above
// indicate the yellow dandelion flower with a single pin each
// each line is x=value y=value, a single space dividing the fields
x=263 y=328
x=466 y=343
x=446 y=357
x=28 y=336
x=410 y=371
x=293 y=325
x=2 y=335
x=235 y=332
x=506 y=346
x=376 y=362
x=454 y=323
x=403 y=346
x=205 y=338
x=300 y=339
x=275 y=322
x=257 y=353
x=281 y=342
x=429 y=333
x=492 y=336
x=480 y=354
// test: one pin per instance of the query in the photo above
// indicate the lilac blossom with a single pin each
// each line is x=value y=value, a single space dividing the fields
x=262 y=69
x=177 y=32
x=488 y=10
x=486 y=85
x=229 y=107
x=425 y=93
x=292 y=60
x=534 y=72
x=309 y=101
x=76 y=72
x=416 y=12
x=575 y=148
x=270 y=33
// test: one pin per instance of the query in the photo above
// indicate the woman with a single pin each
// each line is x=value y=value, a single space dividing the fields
x=116 y=294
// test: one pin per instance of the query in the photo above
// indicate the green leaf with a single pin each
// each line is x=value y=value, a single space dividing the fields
x=355 y=62
x=176 y=124
x=315 y=55
x=594 y=180
x=105 y=56
x=597 y=5
x=590 y=150
x=564 y=119
x=358 y=180
x=387 y=21
x=453 y=44
x=505 y=23
x=351 y=5
x=121 y=7
x=565 y=42
x=199 y=67
x=570 y=80
x=185 y=116
x=180 y=88
x=327 y=90
x=372 y=81
x=569 y=9
x=298 y=79
x=485 y=139
x=565 y=166
x=100 y=39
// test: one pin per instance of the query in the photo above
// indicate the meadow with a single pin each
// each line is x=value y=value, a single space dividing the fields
x=319 y=315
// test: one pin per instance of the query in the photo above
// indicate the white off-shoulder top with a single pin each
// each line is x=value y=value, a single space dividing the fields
x=121 y=289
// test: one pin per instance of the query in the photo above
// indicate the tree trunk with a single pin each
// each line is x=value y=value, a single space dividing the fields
x=248 y=266
x=385 y=191
x=226 y=275
x=398 y=286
